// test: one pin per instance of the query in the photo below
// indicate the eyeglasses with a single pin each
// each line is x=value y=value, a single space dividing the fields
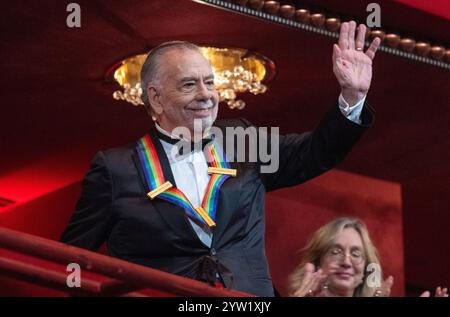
x=337 y=254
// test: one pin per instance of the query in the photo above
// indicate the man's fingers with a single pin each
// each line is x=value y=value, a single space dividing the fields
x=373 y=48
x=351 y=35
x=336 y=51
x=343 y=36
x=425 y=294
x=360 y=37
x=338 y=62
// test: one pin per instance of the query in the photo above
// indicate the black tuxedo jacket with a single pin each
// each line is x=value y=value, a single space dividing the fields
x=113 y=206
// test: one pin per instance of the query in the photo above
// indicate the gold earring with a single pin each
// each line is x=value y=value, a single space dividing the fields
x=154 y=118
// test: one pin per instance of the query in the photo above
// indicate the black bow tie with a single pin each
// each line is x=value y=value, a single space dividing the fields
x=184 y=147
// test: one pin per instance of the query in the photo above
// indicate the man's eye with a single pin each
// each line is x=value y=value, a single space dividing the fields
x=210 y=83
x=188 y=85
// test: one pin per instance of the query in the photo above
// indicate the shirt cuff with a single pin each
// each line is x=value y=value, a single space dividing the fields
x=352 y=113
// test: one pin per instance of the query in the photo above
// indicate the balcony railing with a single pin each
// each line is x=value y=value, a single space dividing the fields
x=121 y=278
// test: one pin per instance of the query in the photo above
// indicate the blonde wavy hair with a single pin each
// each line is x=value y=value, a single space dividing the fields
x=323 y=239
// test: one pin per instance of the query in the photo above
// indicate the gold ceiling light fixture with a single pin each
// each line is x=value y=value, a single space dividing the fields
x=236 y=70
x=128 y=75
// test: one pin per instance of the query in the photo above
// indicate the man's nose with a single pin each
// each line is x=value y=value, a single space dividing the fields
x=203 y=93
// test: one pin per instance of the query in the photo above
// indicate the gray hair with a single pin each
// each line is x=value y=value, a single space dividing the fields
x=150 y=68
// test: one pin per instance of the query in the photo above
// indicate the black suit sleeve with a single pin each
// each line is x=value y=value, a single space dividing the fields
x=89 y=225
x=307 y=155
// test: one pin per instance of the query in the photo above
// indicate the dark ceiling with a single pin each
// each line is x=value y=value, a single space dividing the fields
x=56 y=99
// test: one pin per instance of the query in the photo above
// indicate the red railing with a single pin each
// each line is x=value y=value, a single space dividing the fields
x=124 y=278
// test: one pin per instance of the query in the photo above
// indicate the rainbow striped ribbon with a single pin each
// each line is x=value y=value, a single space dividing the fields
x=160 y=188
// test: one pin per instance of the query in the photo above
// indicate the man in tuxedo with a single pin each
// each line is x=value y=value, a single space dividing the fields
x=173 y=235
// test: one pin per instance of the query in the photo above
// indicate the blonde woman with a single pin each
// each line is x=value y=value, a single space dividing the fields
x=341 y=251
x=341 y=260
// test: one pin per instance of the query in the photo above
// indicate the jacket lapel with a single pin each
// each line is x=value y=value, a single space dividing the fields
x=228 y=197
x=174 y=215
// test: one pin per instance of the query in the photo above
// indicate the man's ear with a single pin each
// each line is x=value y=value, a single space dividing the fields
x=154 y=100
